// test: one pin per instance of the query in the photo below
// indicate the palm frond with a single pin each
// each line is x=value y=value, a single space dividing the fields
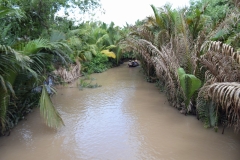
x=227 y=27
x=221 y=61
x=143 y=32
x=88 y=55
x=3 y=111
x=12 y=60
x=50 y=114
x=34 y=46
x=2 y=84
x=206 y=109
x=158 y=18
x=74 y=32
x=108 y=53
x=111 y=47
x=57 y=36
x=227 y=95
x=218 y=47
x=75 y=42
x=6 y=11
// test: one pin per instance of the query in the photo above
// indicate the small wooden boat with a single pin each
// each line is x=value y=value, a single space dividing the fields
x=133 y=64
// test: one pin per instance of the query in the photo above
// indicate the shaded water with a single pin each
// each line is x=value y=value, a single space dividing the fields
x=125 y=119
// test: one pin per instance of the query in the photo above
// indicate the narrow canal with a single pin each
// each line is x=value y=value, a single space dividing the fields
x=125 y=119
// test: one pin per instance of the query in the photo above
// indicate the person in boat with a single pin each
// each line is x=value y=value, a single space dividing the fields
x=48 y=84
x=133 y=63
x=136 y=63
x=129 y=63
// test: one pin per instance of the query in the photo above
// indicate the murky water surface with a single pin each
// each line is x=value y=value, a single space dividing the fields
x=125 y=119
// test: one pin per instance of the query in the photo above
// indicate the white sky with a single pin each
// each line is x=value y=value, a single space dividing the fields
x=122 y=11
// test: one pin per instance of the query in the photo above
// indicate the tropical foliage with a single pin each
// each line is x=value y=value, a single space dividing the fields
x=36 y=46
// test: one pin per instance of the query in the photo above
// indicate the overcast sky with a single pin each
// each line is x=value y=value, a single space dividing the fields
x=122 y=11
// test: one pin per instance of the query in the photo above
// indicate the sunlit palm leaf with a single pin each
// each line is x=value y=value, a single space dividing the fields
x=108 y=53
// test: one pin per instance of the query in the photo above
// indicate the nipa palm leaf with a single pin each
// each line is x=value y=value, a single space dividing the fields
x=47 y=110
x=227 y=95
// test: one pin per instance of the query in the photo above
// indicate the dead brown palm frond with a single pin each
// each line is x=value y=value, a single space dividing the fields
x=219 y=65
x=166 y=64
x=218 y=47
x=222 y=68
x=183 y=45
x=138 y=46
x=227 y=96
x=150 y=21
x=221 y=61
x=135 y=45
x=183 y=52
x=142 y=32
x=236 y=3
x=162 y=39
x=166 y=56
x=202 y=38
x=69 y=75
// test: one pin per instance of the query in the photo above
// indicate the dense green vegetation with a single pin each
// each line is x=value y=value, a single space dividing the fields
x=35 y=45
x=192 y=53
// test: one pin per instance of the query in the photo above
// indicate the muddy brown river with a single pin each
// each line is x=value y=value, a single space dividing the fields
x=125 y=119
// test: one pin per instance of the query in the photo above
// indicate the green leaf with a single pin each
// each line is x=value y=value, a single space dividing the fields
x=3 y=110
x=181 y=72
x=48 y=111
x=189 y=84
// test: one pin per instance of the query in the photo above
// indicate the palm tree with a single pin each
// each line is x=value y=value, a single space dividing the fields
x=11 y=63
x=24 y=71
x=187 y=45
x=165 y=21
x=222 y=70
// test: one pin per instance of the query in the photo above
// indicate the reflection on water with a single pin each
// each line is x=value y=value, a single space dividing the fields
x=125 y=119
